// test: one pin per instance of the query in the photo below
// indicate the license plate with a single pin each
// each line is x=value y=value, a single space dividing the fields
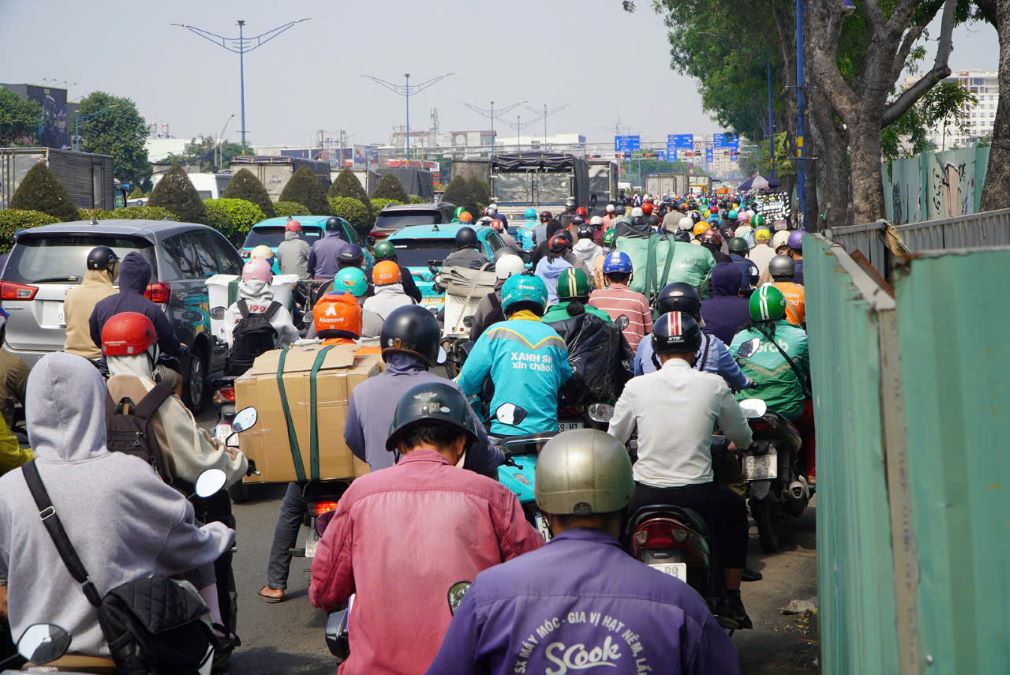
x=677 y=569
x=761 y=467
x=432 y=301
x=222 y=432
x=52 y=313
x=568 y=426
x=311 y=542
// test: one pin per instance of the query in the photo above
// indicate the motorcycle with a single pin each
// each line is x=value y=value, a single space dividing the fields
x=776 y=488
x=321 y=500
x=44 y=648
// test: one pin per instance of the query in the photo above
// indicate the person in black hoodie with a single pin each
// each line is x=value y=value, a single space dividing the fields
x=134 y=276
x=726 y=312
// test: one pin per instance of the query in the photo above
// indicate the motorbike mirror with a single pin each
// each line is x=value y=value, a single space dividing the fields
x=456 y=593
x=217 y=313
x=748 y=348
x=510 y=414
x=245 y=419
x=600 y=412
x=753 y=408
x=43 y=642
x=210 y=482
x=622 y=322
x=442 y=356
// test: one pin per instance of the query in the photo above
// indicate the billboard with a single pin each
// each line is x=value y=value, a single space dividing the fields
x=54 y=125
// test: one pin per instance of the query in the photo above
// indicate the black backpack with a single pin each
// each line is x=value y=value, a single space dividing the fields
x=253 y=335
x=129 y=429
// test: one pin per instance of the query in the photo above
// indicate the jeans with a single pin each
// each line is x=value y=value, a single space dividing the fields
x=293 y=509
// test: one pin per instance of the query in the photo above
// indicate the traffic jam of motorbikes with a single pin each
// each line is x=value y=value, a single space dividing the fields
x=552 y=467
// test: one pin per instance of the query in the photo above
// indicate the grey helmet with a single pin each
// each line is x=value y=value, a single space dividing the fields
x=582 y=472
x=781 y=268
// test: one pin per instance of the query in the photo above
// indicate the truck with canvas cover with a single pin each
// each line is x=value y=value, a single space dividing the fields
x=538 y=179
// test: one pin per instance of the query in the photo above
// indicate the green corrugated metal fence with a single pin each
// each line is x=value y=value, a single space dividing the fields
x=912 y=402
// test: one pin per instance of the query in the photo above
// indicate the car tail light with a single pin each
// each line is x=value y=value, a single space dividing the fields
x=12 y=291
x=319 y=508
x=224 y=395
x=159 y=293
x=378 y=234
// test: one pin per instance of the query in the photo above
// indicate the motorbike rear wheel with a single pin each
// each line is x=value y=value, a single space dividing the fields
x=767 y=515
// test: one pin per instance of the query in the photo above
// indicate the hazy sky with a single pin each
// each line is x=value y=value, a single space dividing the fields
x=609 y=65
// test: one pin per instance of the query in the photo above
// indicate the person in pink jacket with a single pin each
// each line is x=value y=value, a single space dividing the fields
x=402 y=536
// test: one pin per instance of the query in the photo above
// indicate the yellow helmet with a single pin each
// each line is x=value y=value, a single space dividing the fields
x=700 y=228
x=261 y=252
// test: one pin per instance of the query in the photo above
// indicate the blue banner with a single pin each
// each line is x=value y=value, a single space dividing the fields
x=627 y=143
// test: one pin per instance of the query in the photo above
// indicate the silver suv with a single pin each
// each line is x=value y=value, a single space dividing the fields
x=48 y=261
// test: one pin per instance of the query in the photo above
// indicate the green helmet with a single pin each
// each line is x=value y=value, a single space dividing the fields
x=582 y=472
x=757 y=221
x=432 y=403
x=609 y=237
x=385 y=250
x=733 y=214
x=351 y=280
x=767 y=304
x=573 y=283
x=525 y=290
x=460 y=210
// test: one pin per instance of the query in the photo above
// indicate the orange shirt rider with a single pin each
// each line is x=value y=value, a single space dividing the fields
x=796 y=305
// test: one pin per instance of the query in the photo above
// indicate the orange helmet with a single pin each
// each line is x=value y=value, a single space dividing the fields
x=647 y=208
x=128 y=334
x=700 y=228
x=385 y=273
x=466 y=217
x=337 y=312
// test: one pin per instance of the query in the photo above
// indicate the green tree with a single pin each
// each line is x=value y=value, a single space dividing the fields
x=203 y=151
x=12 y=220
x=305 y=188
x=348 y=185
x=354 y=211
x=245 y=185
x=378 y=204
x=285 y=209
x=944 y=105
x=389 y=188
x=232 y=217
x=458 y=193
x=175 y=193
x=111 y=125
x=19 y=118
x=480 y=194
x=40 y=191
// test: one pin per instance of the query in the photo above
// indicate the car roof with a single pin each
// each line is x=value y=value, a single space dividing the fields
x=429 y=206
x=156 y=229
x=440 y=231
x=311 y=221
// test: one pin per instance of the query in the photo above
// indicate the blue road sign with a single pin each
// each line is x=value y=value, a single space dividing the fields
x=677 y=143
x=725 y=141
x=627 y=143
x=709 y=155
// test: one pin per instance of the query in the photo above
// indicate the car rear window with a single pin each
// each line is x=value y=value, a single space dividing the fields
x=273 y=236
x=417 y=252
x=394 y=220
x=62 y=258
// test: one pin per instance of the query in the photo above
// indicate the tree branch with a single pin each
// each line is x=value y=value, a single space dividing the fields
x=823 y=48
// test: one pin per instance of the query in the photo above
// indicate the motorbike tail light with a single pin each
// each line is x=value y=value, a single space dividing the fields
x=224 y=395
x=568 y=413
x=159 y=293
x=12 y=291
x=661 y=535
x=319 y=508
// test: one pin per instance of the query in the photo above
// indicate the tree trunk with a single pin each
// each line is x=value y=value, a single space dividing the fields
x=997 y=177
x=867 y=188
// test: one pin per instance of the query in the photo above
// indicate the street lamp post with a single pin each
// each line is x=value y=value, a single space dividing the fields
x=491 y=114
x=406 y=90
x=240 y=46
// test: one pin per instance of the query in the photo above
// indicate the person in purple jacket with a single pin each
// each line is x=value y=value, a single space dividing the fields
x=581 y=601
x=726 y=312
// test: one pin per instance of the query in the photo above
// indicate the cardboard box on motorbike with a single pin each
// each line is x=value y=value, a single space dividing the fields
x=301 y=396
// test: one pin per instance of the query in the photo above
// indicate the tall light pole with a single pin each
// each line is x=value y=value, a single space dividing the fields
x=519 y=125
x=491 y=114
x=241 y=45
x=407 y=90
x=545 y=115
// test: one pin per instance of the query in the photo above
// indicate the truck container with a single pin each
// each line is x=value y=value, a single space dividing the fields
x=538 y=179
x=274 y=172
x=472 y=168
x=603 y=175
x=208 y=185
x=667 y=184
x=87 y=177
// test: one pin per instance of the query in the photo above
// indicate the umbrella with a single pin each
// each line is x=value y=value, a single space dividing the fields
x=758 y=183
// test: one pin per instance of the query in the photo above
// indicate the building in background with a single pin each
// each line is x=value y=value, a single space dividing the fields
x=979 y=117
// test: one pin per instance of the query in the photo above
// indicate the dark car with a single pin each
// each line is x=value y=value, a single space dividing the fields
x=397 y=216
x=47 y=261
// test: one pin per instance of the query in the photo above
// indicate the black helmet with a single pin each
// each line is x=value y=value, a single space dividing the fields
x=434 y=403
x=585 y=230
x=578 y=221
x=738 y=245
x=466 y=237
x=332 y=223
x=781 y=268
x=652 y=220
x=101 y=257
x=350 y=255
x=679 y=297
x=412 y=330
x=676 y=333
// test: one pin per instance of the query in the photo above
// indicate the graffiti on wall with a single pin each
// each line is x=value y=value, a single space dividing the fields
x=952 y=187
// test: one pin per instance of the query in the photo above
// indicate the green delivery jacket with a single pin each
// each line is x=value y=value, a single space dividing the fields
x=780 y=388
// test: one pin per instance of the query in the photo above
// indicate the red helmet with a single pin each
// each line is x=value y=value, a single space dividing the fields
x=128 y=334
x=582 y=211
x=292 y=225
x=647 y=208
x=711 y=238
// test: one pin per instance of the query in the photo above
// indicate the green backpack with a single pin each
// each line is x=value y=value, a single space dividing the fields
x=661 y=260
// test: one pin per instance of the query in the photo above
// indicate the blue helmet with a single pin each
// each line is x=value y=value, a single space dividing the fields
x=617 y=262
x=525 y=289
x=531 y=213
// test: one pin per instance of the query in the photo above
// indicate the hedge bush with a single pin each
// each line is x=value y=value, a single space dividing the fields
x=176 y=193
x=233 y=217
x=348 y=185
x=480 y=195
x=378 y=204
x=245 y=185
x=458 y=194
x=130 y=213
x=354 y=212
x=12 y=220
x=389 y=188
x=417 y=199
x=305 y=187
x=41 y=191
x=290 y=209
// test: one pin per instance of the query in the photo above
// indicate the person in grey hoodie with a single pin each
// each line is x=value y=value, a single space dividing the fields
x=293 y=252
x=553 y=264
x=388 y=290
x=255 y=290
x=126 y=524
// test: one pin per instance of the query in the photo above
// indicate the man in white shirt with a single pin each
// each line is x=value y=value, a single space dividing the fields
x=676 y=409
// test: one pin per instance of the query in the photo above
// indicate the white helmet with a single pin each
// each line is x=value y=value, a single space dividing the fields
x=637 y=212
x=686 y=223
x=781 y=238
x=596 y=220
x=611 y=208
x=492 y=208
x=508 y=265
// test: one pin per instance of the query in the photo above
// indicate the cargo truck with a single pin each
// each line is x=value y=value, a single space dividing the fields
x=274 y=172
x=87 y=177
x=667 y=184
x=540 y=180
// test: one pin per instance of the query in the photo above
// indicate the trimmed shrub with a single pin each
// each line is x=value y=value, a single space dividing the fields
x=378 y=204
x=291 y=209
x=130 y=213
x=12 y=220
x=348 y=185
x=305 y=188
x=417 y=199
x=354 y=212
x=458 y=194
x=245 y=185
x=176 y=193
x=40 y=191
x=233 y=217
x=480 y=195
x=389 y=188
